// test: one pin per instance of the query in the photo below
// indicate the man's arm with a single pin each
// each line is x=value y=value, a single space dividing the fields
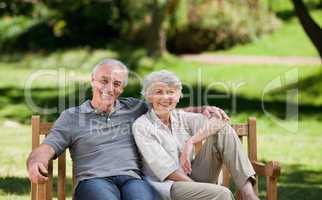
x=208 y=111
x=37 y=163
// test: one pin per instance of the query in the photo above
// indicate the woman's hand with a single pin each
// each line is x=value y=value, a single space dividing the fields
x=185 y=157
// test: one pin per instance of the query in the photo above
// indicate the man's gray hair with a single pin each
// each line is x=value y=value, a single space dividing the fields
x=112 y=62
x=163 y=76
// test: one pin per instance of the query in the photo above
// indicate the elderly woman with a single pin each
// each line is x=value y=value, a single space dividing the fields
x=165 y=137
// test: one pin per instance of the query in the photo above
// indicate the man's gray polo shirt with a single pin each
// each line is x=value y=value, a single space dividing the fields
x=101 y=145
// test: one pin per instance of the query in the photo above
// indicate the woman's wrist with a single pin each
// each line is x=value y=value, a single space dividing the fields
x=190 y=141
x=187 y=149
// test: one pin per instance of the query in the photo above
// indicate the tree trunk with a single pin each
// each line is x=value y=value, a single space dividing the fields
x=270 y=5
x=156 y=38
x=253 y=4
x=312 y=29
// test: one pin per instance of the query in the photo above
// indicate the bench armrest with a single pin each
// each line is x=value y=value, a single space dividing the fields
x=270 y=169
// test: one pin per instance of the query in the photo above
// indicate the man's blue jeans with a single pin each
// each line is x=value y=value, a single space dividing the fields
x=115 y=188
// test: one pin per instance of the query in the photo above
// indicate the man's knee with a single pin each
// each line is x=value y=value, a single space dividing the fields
x=138 y=189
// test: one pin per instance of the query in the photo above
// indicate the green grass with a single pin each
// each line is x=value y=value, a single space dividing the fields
x=246 y=82
x=249 y=81
x=288 y=40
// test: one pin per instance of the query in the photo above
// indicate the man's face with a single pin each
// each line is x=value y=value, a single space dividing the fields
x=108 y=84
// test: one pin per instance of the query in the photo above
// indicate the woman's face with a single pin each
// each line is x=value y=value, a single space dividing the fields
x=163 y=97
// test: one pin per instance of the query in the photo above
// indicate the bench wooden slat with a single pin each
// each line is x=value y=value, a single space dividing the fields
x=252 y=145
x=252 y=140
x=45 y=128
x=35 y=122
x=50 y=180
x=241 y=129
x=271 y=189
x=74 y=177
x=61 y=185
x=41 y=191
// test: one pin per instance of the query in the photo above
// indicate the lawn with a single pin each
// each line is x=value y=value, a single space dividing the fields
x=295 y=141
x=288 y=40
x=239 y=81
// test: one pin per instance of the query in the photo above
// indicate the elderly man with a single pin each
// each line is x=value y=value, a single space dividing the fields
x=99 y=136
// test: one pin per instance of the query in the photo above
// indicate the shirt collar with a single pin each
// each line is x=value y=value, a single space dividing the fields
x=156 y=120
x=86 y=107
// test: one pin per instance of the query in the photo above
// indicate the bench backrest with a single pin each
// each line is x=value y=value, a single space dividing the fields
x=44 y=191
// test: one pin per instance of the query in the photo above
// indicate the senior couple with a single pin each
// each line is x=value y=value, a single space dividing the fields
x=126 y=148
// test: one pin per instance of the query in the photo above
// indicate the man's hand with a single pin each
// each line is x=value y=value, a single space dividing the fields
x=185 y=157
x=37 y=163
x=209 y=111
x=37 y=173
x=213 y=111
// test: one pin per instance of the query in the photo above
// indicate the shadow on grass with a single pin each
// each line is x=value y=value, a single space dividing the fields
x=14 y=185
x=21 y=186
x=311 y=85
x=50 y=98
x=296 y=182
x=237 y=104
x=299 y=174
x=300 y=182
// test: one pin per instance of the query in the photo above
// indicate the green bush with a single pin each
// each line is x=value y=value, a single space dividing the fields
x=55 y=24
x=12 y=27
x=15 y=7
x=212 y=25
x=191 y=25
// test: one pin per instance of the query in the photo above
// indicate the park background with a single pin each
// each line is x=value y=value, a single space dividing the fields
x=252 y=58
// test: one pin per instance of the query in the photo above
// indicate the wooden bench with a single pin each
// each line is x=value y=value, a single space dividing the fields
x=270 y=170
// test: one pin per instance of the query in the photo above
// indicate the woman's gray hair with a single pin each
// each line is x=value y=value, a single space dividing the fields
x=112 y=62
x=163 y=76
